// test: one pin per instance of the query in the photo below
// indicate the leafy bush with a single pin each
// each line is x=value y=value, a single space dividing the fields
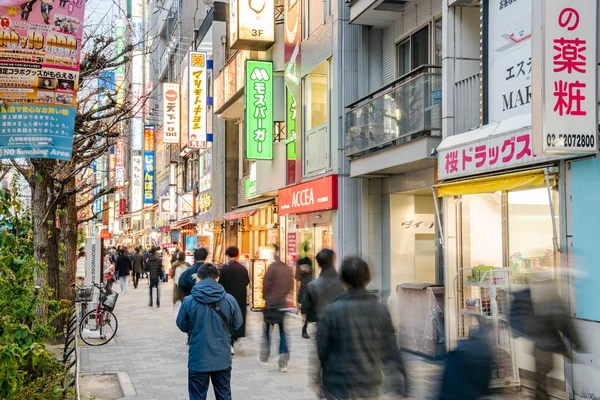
x=27 y=370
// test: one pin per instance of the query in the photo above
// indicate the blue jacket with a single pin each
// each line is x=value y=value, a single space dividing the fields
x=210 y=340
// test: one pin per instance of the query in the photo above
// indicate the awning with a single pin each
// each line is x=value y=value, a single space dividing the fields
x=246 y=211
x=512 y=181
x=182 y=223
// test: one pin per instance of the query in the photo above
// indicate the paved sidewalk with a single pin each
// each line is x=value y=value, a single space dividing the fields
x=152 y=351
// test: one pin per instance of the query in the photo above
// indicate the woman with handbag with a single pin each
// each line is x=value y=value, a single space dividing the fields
x=109 y=274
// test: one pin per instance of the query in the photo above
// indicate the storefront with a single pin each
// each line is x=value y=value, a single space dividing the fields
x=307 y=212
x=500 y=225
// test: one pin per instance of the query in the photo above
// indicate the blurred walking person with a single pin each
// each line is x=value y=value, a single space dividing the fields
x=123 y=269
x=155 y=272
x=137 y=266
x=356 y=341
x=178 y=268
x=304 y=275
x=187 y=280
x=278 y=283
x=234 y=278
x=209 y=316
x=321 y=292
x=166 y=264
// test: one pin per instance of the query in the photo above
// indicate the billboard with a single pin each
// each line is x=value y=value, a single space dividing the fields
x=197 y=92
x=148 y=177
x=259 y=110
x=137 y=183
x=171 y=112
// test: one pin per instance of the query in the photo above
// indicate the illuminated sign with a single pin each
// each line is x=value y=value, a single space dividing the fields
x=252 y=24
x=171 y=112
x=259 y=110
x=197 y=100
x=148 y=177
x=148 y=137
x=137 y=182
x=205 y=202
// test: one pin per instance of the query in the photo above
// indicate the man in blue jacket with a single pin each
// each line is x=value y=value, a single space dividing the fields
x=209 y=316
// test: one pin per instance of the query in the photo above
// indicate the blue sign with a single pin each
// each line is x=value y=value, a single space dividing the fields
x=37 y=131
x=137 y=134
x=106 y=83
x=148 y=177
x=190 y=243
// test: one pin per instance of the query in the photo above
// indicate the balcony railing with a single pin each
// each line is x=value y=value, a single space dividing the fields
x=466 y=104
x=407 y=108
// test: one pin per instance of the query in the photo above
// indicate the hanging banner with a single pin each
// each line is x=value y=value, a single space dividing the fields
x=149 y=137
x=565 y=77
x=171 y=112
x=259 y=110
x=185 y=101
x=137 y=134
x=122 y=208
x=197 y=93
x=137 y=183
x=292 y=29
x=148 y=177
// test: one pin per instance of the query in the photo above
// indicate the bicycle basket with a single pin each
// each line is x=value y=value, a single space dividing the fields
x=110 y=301
x=84 y=295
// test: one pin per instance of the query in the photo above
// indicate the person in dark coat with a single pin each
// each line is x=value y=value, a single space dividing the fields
x=278 y=283
x=356 y=341
x=123 y=268
x=304 y=275
x=155 y=272
x=137 y=266
x=234 y=278
x=187 y=280
x=320 y=293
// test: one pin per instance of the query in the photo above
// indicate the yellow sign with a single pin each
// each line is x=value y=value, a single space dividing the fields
x=197 y=91
x=205 y=202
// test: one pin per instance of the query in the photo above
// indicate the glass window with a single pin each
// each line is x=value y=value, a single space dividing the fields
x=404 y=58
x=420 y=48
x=315 y=14
x=317 y=97
x=437 y=57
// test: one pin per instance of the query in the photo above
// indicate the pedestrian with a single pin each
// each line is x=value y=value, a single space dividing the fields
x=123 y=268
x=144 y=260
x=109 y=274
x=356 y=341
x=321 y=292
x=175 y=255
x=304 y=275
x=186 y=279
x=113 y=255
x=166 y=264
x=137 y=266
x=155 y=271
x=81 y=262
x=209 y=316
x=278 y=283
x=234 y=278
x=178 y=268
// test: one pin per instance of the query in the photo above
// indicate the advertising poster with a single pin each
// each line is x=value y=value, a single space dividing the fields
x=191 y=242
x=39 y=61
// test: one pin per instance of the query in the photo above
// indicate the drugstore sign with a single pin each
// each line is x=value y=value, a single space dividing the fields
x=259 y=110
x=197 y=93
x=318 y=195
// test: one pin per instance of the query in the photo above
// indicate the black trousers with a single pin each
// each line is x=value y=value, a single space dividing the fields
x=136 y=279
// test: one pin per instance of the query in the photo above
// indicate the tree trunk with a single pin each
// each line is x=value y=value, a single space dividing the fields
x=68 y=236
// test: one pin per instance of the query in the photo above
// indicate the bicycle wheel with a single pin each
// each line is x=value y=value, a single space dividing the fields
x=98 y=328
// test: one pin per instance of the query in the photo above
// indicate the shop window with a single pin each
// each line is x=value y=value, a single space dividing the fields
x=315 y=12
x=316 y=119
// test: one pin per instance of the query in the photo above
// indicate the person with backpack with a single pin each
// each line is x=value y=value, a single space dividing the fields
x=187 y=279
x=123 y=268
x=209 y=316
x=155 y=272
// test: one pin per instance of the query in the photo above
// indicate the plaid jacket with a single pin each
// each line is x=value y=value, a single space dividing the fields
x=356 y=342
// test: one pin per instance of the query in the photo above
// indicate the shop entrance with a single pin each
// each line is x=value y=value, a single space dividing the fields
x=314 y=232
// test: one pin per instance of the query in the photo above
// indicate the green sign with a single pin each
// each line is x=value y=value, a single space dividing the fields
x=291 y=126
x=259 y=110
x=250 y=188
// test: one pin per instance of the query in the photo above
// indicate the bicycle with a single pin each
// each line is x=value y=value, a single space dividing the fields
x=83 y=295
x=99 y=326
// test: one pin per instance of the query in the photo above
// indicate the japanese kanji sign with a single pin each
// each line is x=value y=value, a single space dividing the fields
x=508 y=59
x=259 y=110
x=148 y=177
x=197 y=93
x=171 y=112
x=148 y=137
x=496 y=152
x=565 y=69
x=137 y=183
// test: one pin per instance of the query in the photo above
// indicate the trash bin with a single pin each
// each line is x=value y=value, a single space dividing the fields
x=421 y=318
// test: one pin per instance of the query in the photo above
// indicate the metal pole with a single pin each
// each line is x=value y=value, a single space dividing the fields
x=437 y=215
x=554 y=230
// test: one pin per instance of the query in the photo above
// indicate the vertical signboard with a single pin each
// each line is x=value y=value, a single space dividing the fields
x=149 y=131
x=137 y=133
x=120 y=53
x=92 y=261
x=137 y=183
x=197 y=100
x=565 y=77
x=120 y=165
x=39 y=62
x=259 y=110
x=184 y=95
x=507 y=83
x=292 y=29
x=252 y=24
x=148 y=177
x=171 y=112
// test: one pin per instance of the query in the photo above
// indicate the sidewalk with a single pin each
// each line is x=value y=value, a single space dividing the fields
x=151 y=351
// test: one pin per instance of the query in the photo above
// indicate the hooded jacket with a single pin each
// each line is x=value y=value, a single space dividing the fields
x=210 y=340
x=154 y=267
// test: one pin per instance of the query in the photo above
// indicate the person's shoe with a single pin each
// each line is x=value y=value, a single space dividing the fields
x=283 y=362
x=264 y=354
x=157 y=305
x=305 y=335
x=149 y=304
x=232 y=352
x=283 y=369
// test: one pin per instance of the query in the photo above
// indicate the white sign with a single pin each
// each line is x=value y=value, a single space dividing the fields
x=137 y=183
x=252 y=24
x=171 y=112
x=137 y=134
x=119 y=178
x=490 y=153
x=197 y=127
x=566 y=77
x=509 y=59
x=93 y=261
